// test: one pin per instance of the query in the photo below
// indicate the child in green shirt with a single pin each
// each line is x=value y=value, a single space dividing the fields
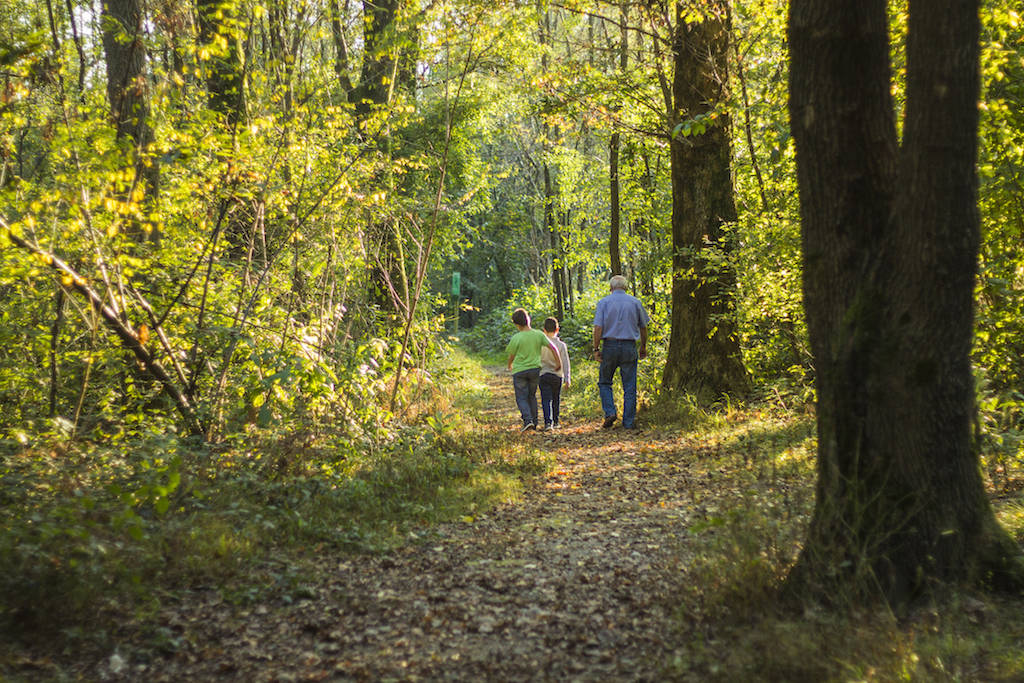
x=524 y=363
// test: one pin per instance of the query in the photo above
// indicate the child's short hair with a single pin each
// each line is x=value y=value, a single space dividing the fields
x=551 y=324
x=519 y=316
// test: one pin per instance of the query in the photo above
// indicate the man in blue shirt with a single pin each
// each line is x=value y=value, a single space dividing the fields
x=619 y=321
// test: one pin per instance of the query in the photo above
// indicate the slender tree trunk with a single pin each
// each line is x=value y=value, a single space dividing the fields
x=551 y=228
x=82 y=64
x=563 y=270
x=890 y=242
x=615 y=223
x=703 y=355
x=648 y=258
x=614 y=255
x=747 y=128
x=55 y=330
x=550 y=193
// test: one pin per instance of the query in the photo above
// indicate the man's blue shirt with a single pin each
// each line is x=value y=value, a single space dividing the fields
x=620 y=316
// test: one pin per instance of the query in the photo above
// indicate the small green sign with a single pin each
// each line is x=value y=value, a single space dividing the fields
x=456 y=283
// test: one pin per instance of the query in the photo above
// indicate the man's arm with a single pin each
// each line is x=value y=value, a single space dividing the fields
x=643 y=343
x=597 y=341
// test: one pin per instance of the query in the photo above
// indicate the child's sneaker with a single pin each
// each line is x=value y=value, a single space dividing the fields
x=554 y=425
x=527 y=427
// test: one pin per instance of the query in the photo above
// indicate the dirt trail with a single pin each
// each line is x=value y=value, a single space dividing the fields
x=574 y=582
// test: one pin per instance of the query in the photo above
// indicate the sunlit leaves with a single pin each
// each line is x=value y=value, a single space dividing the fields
x=998 y=349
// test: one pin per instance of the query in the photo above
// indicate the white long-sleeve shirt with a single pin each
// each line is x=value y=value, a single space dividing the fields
x=547 y=362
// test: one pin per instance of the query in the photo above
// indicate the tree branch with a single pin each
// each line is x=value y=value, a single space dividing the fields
x=129 y=338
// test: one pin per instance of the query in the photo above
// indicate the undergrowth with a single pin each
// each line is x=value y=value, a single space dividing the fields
x=92 y=533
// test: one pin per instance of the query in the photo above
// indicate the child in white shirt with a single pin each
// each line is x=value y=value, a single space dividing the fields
x=552 y=377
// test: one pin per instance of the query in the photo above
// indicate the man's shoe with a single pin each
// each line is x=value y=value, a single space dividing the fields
x=608 y=422
x=527 y=427
x=547 y=427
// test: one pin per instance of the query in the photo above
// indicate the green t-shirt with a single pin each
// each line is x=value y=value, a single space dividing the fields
x=526 y=345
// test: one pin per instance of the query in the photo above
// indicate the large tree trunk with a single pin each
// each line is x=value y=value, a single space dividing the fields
x=703 y=353
x=224 y=74
x=385 y=253
x=341 y=50
x=225 y=79
x=890 y=241
x=380 y=60
x=128 y=87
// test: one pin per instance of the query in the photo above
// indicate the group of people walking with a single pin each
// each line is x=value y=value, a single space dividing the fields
x=539 y=359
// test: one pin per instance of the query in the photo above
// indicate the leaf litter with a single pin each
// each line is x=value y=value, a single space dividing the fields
x=577 y=581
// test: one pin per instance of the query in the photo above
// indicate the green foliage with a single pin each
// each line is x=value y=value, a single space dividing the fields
x=493 y=330
x=999 y=338
x=89 y=530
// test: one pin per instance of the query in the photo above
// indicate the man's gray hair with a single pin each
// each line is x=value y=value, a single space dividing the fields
x=617 y=282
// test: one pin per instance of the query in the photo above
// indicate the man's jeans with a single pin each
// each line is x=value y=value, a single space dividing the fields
x=525 y=383
x=550 y=397
x=621 y=354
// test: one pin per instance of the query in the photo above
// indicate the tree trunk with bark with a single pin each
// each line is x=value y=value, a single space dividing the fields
x=342 y=66
x=614 y=252
x=124 y=50
x=380 y=59
x=382 y=53
x=225 y=77
x=551 y=227
x=615 y=209
x=704 y=354
x=890 y=241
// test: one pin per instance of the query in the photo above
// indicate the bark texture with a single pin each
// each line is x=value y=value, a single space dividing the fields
x=890 y=240
x=614 y=254
x=225 y=74
x=703 y=354
x=128 y=85
x=383 y=50
x=341 y=49
x=615 y=211
x=380 y=55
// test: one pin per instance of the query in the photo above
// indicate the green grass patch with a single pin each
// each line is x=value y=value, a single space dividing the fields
x=730 y=625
